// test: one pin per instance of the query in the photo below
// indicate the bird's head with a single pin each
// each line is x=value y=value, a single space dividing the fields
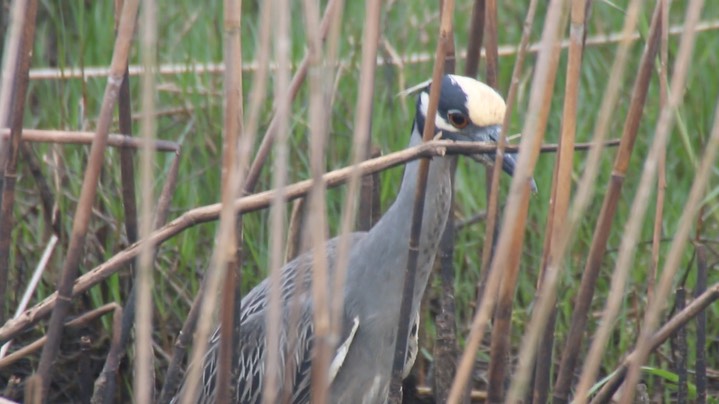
x=468 y=110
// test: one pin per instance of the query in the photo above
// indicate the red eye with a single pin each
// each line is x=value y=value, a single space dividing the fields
x=458 y=119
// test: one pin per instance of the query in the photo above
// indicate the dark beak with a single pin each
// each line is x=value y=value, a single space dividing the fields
x=509 y=162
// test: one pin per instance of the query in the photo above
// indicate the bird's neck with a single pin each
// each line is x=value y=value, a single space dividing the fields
x=438 y=182
x=397 y=220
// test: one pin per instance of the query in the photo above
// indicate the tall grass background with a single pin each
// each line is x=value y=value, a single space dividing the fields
x=76 y=36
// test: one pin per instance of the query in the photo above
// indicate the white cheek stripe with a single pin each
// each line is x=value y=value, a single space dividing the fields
x=440 y=123
x=424 y=103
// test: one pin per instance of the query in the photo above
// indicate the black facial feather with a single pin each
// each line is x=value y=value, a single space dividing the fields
x=451 y=97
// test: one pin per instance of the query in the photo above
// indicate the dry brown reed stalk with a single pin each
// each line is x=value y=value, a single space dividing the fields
x=183 y=340
x=491 y=51
x=296 y=244
x=680 y=366
x=243 y=205
x=489 y=15
x=361 y=137
x=107 y=378
x=333 y=35
x=470 y=220
x=10 y=65
x=78 y=322
x=144 y=375
x=638 y=209
x=396 y=60
x=700 y=368
x=83 y=368
x=33 y=391
x=586 y=185
x=376 y=187
x=186 y=110
x=512 y=238
x=104 y=387
x=75 y=137
x=474 y=396
x=225 y=259
x=516 y=207
x=127 y=164
x=229 y=243
x=366 y=206
x=277 y=210
x=232 y=294
x=87 y=196
x=329 y=317
x=47 y=199
x=168 y=190
x=366 y=214
x=493 y=200
x=257 y=96
x=23 y=352
x=475 y=39
x=445 y=341
x=256 y=100
x=661 y=169
x=690 y=209
x=294 y=87
x=450 y=58
x=106 y=383
x=559 y=199
x=9 y=155
x=366 y=196
x=679 y=320
x=324 y=340
x=585 y=188
x=32 y=284
x=245 y=145
x=492 y=228
x=444 y=41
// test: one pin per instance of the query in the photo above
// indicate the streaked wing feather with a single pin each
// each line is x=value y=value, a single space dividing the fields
x=252 y=335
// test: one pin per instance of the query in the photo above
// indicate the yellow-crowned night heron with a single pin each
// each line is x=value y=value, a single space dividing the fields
x=360 y=372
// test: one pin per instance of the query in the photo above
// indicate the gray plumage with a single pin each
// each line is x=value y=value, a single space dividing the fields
x=468 y=110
